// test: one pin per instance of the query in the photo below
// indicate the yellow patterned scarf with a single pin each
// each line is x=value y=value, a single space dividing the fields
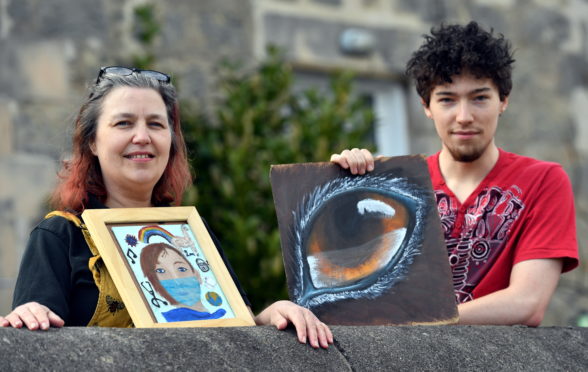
x=110 y=310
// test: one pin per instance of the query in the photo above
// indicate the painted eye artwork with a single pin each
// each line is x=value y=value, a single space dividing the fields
x=364 y=250
x=355 y=237
x=338 y=252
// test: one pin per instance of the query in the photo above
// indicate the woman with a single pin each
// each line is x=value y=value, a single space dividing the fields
x=128 y=151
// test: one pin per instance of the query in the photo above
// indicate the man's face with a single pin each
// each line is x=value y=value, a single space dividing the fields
x=465 y=113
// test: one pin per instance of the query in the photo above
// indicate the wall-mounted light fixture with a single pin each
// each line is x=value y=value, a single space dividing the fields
x=357 y=42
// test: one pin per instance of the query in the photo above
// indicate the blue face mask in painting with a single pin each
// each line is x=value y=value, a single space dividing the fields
x=184 y=290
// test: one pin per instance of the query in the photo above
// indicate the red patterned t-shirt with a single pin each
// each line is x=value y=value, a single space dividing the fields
x=522 y=210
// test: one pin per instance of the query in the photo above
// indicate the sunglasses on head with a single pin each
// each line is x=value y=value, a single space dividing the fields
x=126 y=71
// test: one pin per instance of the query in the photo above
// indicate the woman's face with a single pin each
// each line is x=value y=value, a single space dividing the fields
x=133 y=140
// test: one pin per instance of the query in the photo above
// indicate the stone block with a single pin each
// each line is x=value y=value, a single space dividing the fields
x=579 y=112
x=429 y=11
x=489 y=17
x=191 y=48
x=333 y=3
x=463 y=348
x=214 y=29
x=6 y=290
x=31 y=178
x=314 y=42
x=56 y=19
x=7 y=111
x=44 y=69
x=566 y=307
x=408 y=348
x=24 y=186
x=11 y=86
x=543 y=26
x=12 y=244
x=44 y=128
x=206 y=349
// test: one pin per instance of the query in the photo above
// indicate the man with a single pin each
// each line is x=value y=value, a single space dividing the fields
x=508 y=220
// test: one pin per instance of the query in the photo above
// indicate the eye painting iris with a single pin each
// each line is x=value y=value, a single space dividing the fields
x=354 y=235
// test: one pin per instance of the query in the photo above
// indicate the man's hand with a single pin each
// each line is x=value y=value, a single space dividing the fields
x=308 y=326
x=524 y=301
x=356 y=160
x=33 y=315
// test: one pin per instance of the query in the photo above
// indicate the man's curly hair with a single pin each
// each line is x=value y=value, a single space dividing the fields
x=454 y=49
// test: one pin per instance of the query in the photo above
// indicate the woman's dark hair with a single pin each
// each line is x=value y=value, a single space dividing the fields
x=82 y=175
x=452 y=50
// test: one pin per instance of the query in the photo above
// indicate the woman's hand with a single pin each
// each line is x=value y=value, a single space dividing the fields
x=308 y=326
x=33 y=315
x=356 y=160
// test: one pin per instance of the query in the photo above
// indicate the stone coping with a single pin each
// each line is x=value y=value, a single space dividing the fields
x=422 y=348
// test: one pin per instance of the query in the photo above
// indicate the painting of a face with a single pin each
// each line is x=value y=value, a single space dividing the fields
x=167 y=267
x=178 y=277
x=172 y=272
x=363 y=249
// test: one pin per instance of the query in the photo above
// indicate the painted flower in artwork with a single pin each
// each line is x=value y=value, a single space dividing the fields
x=131 y=240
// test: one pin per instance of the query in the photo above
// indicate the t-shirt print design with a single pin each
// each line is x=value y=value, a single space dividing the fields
x=476 y=238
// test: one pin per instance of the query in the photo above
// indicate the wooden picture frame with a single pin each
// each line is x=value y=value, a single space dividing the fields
x=137 y=244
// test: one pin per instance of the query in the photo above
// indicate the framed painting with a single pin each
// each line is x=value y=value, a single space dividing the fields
x=364 y=250
x=166 y=267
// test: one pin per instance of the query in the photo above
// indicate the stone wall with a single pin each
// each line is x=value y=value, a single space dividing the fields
x=416 y=348
x=50 y=50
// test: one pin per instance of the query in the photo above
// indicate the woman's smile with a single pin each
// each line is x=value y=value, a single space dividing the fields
x=140 y=157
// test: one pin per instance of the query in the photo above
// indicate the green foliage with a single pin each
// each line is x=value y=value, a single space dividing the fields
x=144 y=62
x=259 y=122
x=146 y=28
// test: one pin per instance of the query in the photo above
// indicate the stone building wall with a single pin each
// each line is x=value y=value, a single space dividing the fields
x=50 y=50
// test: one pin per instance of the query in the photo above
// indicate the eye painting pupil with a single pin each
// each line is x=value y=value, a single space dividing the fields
x=354 y=235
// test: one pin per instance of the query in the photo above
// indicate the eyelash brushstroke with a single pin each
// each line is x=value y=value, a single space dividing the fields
x=312 y=203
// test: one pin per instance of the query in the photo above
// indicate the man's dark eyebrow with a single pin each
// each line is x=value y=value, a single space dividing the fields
x=480 y=90
x=450 y=93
